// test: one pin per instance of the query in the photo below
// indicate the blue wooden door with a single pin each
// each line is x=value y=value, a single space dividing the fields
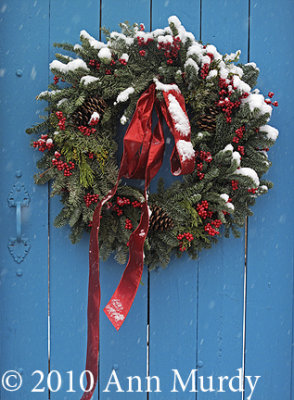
x=230 y=309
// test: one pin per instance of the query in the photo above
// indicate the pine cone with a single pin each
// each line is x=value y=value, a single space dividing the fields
x=83 y=113
x=207 y=121
x=159 y=219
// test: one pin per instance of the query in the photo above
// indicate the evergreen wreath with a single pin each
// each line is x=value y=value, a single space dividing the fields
x=102 y=84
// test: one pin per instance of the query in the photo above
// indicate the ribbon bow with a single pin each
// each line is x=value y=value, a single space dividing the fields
x=142 y=159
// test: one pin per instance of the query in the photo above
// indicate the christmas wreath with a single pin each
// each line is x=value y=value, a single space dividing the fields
x=221 y=139
x=102 y=85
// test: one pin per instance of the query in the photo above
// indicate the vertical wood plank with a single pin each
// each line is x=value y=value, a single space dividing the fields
x=270 y=238
x=68 y=262
x=221 y=269
x=24 y=286
x=123 y=351
x=173 y=291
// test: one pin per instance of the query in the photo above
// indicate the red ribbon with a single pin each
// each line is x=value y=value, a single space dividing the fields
x=142 y=159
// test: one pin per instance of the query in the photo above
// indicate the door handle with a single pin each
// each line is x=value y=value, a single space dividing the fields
x=18 y=246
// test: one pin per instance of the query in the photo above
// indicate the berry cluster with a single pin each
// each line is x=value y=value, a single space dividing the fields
x=128 y=224
x=44 y=143
x=124 y=201
x=122 y=61
x=61 y=120
x=225 y=103
x=95 y=64
x=210 y=230
x=205 y=68
x=142 y=53
x=202 y=209
x=235 y=185
x=91 y=198
x=204 y=71
x=56 y=79
x=199 y=169
x=241 y=150
x=185 y=239
x=239 y=134
x=252 y=190
x=63 y=166
x=143 y=42
x=203 y=156
x=93 y=122
x=137 y=204
x=86 y=131
x=171 y=50
x=91 y=155
x=268 y=101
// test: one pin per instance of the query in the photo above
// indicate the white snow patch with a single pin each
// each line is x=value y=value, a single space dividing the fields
x=125 y=57
x=47 y=93
x=120 y=36
x=73 y=65
x=191 y=63
x=240 y=85
x=77 y=46
x=256 y=101
x=230 y=206
x=237 y=157
x=165 y=87
x=263 y=188
x=158 y=32
x=252 y=64
x=92 y=41
x=211 y=74
x=210 y=48
x=60 y=102
x=271 y=132
x=123 y=120
x=94 y=116
x=250 y=173
x=87 y=79
x=224 y=196
x=104 y=54
x=179 y=117
x=124 y=95
x=233 y=56
x=185 y=150
x=228 y=147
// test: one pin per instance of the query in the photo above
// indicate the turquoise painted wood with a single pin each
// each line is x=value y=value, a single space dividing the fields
x=24 y=285
x=214 y=314
x=269 y=336
x=221 y=269
x=69 y=274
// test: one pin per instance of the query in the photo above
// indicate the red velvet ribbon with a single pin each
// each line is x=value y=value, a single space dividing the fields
x=142 y=159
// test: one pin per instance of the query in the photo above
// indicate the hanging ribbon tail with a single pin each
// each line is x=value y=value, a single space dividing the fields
x=120 y=303
x=142 y=158
x=93 y=307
